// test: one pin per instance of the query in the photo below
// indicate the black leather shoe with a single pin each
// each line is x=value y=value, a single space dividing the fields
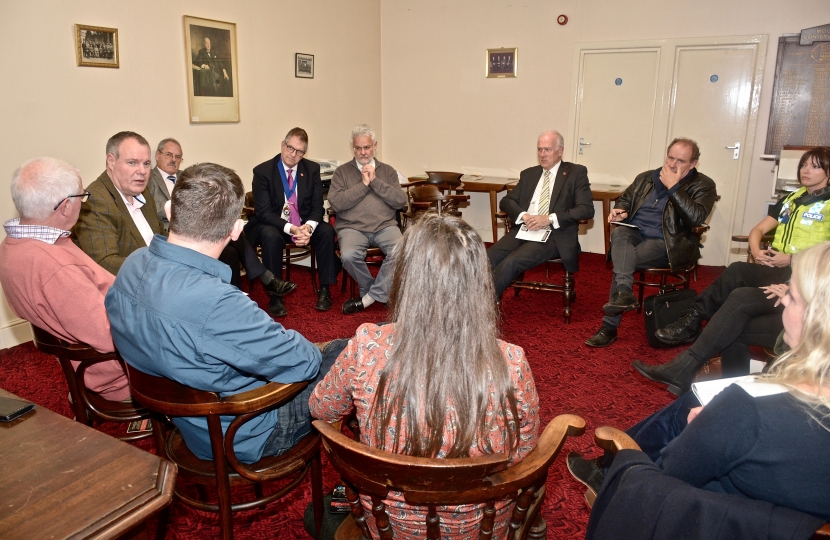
x=276 y=307
x=587 y=471
x=677 y=374
x=605 y=337
x=623 y=301
x=684 y=330
x=278 y=287
x=353 y=305
x=323 y=300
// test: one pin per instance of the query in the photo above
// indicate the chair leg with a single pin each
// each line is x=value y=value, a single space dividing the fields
x=161 y=527
x=568 y=295
x=640 y=294
x=317 y=491
x=313 y=261
x=539 y=529
x=287 y=264
x=223 y=484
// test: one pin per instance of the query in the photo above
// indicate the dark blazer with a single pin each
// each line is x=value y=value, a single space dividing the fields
x=158 y=189
x=638 y=502
x=571 y=200
x=105 y=230
x=269 y=195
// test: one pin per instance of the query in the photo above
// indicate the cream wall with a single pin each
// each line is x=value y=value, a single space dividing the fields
x=440 y=112
x=51 y=107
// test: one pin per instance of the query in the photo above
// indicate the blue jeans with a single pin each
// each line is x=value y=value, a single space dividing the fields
x=294 y=418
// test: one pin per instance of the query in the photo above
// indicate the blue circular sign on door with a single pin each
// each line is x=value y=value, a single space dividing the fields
x=618 y=81
x=713 y=78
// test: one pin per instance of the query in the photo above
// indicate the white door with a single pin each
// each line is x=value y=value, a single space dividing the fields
x=631 y=98
x=617 y=104
x=711 y=93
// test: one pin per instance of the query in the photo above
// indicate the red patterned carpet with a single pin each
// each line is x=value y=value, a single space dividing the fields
x=596 y=384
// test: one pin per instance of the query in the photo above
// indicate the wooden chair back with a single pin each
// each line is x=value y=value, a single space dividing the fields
x=87 y=405
x=427 y=197
x=436 y=482
x=446 y=180
x=170 y=398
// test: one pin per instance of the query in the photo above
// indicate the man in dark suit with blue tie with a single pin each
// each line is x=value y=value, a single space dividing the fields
x=288 y=207
x=552 y=196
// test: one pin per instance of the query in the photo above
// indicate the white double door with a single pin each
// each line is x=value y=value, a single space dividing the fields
x=630 y=99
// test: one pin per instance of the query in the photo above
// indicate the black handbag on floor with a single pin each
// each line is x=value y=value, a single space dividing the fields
x=661 y=310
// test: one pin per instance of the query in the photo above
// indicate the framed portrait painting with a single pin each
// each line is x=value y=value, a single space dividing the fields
x=502 y=63
x=96 y=46
x=212 y=70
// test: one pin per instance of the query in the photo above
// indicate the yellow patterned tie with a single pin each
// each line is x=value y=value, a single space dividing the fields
x=544 y=198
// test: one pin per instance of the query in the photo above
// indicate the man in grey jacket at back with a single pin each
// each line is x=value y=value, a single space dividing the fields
x=365 y=193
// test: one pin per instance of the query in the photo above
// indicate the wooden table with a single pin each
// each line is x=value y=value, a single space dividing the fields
x=474 y=183
x=606 y=193
x=61 y=479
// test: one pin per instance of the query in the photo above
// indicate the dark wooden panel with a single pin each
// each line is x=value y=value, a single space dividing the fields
x=800 y=111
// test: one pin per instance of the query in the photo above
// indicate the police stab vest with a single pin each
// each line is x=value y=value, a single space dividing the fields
x=801 y=225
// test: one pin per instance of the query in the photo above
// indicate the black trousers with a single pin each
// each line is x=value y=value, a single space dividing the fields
x=273 y=243
x=241 y=250
x=510 y=257
x=740 y=315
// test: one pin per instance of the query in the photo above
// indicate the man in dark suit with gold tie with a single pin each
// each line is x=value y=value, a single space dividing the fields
x=549 y=200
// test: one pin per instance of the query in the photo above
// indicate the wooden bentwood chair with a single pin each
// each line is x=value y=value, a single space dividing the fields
x=614 y=440
x=435 y=482
x=680 y=276
x=567 y=287
x=292 y=253
x=87 y=405
x=225 y=471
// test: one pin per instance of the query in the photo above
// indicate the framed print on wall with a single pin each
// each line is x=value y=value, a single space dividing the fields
x=212 y=70
x=502 y=63
x=304 y=65
x=96 y=46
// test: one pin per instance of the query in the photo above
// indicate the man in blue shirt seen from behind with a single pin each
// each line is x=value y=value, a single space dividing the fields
x=174 y=314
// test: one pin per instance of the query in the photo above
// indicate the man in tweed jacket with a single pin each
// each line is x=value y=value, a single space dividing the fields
x=120 y=216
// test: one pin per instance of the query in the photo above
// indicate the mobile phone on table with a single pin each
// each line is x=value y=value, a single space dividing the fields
x=12 y=409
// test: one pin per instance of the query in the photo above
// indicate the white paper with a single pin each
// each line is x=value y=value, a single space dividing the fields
x=625 y=224
x=706 y=390
x=534 y=236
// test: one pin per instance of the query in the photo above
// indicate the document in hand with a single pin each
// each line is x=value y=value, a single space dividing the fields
x=706 y=390
x=534 y=236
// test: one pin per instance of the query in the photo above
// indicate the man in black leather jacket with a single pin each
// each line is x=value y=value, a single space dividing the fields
x=655 y=214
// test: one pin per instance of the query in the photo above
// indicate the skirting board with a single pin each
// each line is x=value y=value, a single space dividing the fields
x=15 y=333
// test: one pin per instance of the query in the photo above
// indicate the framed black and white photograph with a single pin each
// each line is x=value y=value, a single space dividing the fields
x=501 y=63
x=210 y=50
x=304 y=66
x=96 y=46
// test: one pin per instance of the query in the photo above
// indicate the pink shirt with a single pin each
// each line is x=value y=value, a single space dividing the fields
x=58 y=288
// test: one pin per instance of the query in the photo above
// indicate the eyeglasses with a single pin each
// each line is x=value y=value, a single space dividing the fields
x=362 y=148
x=170 y=155
x=292 y=150
x=84 y=198
x=545 y=150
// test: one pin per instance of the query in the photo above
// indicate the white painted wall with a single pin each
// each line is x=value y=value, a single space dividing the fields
x=51 y=107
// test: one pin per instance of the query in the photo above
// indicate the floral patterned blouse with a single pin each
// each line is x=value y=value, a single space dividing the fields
x=350 y=386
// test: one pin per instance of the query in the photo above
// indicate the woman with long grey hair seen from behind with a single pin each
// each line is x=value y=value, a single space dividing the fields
x=436 y=382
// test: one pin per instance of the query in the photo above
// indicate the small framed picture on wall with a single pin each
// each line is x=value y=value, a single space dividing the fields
x=304 y=66
x=96 y=46
x=502 y=63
